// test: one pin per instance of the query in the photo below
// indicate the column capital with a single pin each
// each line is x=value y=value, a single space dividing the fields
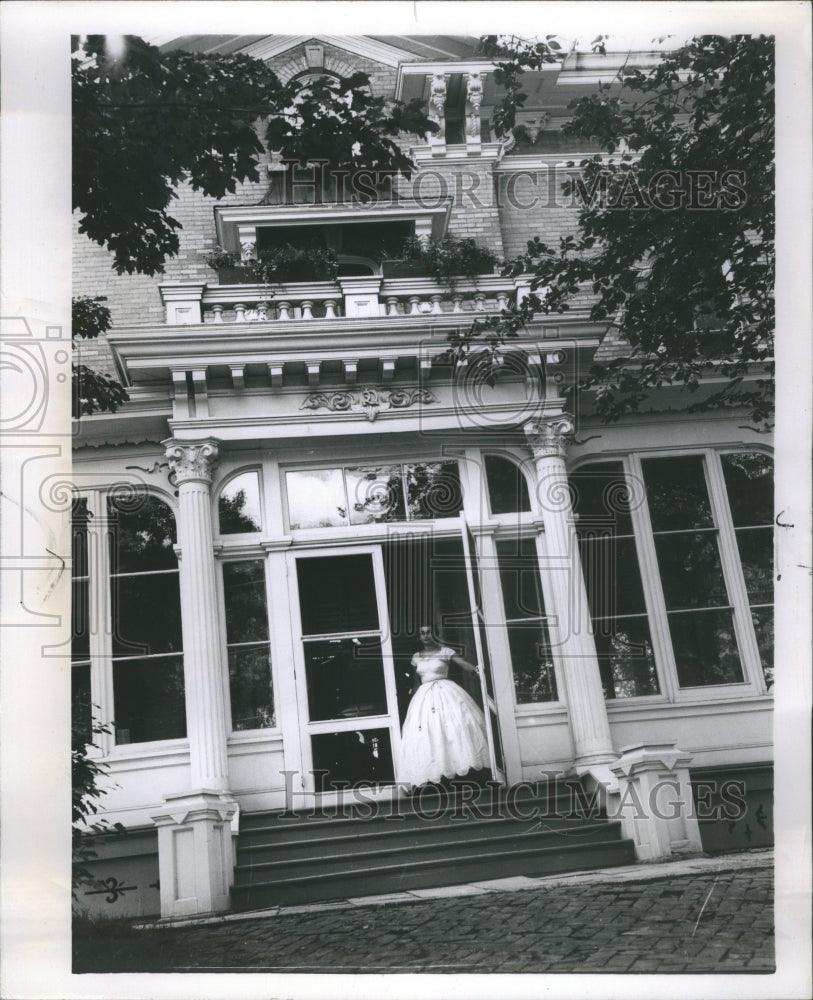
x=550 y=436
x=192 y=461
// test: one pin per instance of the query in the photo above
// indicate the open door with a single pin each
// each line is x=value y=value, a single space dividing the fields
x=481 y=645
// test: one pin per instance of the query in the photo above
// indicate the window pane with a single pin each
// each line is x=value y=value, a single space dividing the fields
x=362 y=755
x=142 y=535
x=149 y=700
x=146 y=614
x=337 y=594
x=250 y=685
x=601 y=496
x=626 y=660
x=676 y=493
x=316 y=498
x=705 y=648
x=80 y=649
x=532 y=663
x=612 y=576
x=238 y=506
x=690 y=568
x=433 y=490
x=507 y=486
x=80 y=701
x=345 y=678
x=763 y=626
x=375 y=493
x=749 y=480
x=519 y=577
x=756 y=556
x=246 y=610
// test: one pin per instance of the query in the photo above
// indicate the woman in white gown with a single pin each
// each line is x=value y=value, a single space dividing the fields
x=444 y=733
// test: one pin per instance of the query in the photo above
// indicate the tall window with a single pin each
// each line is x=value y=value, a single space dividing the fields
x=250 y=685
x=711 y=601
x=613 y=578
x=148 y=682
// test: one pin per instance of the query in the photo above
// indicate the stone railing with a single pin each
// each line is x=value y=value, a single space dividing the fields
x=345 y=298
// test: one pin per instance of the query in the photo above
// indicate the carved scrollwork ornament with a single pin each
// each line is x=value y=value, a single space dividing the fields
x=550 y=436
x=192 y=461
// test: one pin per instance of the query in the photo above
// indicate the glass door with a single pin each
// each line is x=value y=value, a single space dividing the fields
x=346 y=687
x=483 y=659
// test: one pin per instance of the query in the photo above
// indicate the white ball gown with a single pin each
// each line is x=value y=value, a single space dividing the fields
x=444 y=732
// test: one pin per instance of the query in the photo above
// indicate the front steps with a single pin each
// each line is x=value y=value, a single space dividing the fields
x=438 y=840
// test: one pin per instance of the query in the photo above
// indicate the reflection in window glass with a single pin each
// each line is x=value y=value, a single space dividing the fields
x=507 y=486
x=526 y=621
x=328 y=498
x=343 y=759
x=676 y=493
x=613 y=579
x=316 y=498
x=375 y=494
x=142 y=535
x=345 y=678
x=238 y=506
x=433 y=490
x=249 y=656
x=337 y=594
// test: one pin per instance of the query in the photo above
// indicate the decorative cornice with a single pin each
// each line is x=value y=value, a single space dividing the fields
x=192 y=461
x=550 y=436
x=367 y=400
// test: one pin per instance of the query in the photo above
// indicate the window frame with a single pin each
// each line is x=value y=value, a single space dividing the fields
x=753 y=683
x=238 y=537
x=100 y=605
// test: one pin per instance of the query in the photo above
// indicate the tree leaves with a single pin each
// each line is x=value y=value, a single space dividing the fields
x=676 y=236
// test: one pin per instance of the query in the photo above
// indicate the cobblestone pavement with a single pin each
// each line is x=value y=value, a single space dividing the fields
x=712 y=918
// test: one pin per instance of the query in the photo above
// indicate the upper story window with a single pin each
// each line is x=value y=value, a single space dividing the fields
x=373 y=494
x=677 y=557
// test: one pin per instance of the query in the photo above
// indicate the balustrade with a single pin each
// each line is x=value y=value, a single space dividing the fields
x=323 y=301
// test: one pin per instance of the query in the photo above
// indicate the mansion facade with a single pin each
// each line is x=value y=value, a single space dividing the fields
x=304 y=476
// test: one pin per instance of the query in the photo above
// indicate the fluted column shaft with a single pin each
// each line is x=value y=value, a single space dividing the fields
x=548 y=438
x=207 y=725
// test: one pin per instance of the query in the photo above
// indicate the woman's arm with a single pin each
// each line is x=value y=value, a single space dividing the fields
x=460 y=662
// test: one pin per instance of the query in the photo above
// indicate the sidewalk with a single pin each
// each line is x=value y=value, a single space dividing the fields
x=697 y=915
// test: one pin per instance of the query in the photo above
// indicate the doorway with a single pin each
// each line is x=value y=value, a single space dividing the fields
x=357 y=614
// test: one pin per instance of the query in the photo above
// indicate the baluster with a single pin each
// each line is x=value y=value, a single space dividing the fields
x=414 y=305
x=502 y=300
x=218 y=313
x=307 y=309
x=262 y=311
x=284 y=310
x=457 y=299
x=240 y=312
x=392 y=305
x=479 y=302
x=330 y=308
x=436 y=300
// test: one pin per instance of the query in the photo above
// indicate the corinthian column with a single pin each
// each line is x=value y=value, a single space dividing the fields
x=548 y=438
x=195 y=853
x=193 y=463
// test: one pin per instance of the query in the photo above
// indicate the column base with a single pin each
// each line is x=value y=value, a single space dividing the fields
x=654 y=801
x=195 y=854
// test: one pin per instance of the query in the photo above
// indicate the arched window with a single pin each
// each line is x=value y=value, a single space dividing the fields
x=507 y=486
x=148 y=679
x=238 y=506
